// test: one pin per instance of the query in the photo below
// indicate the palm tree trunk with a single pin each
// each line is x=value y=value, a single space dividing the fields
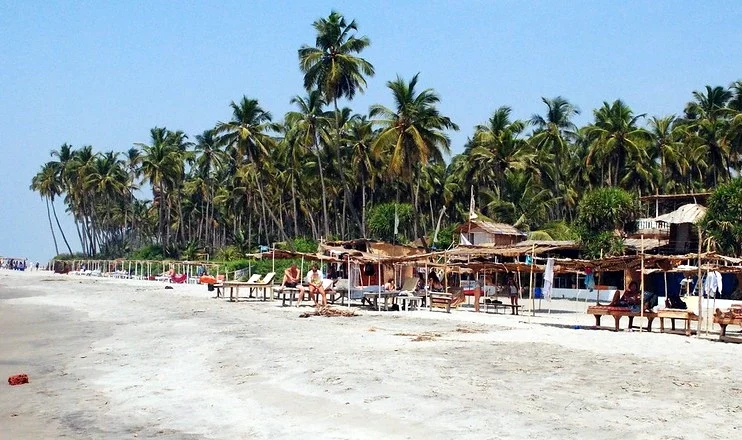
x=293 y=202
x=271 y=214
x=51 y=227
x=363 y=209
x=54 y=210
x=322 y=184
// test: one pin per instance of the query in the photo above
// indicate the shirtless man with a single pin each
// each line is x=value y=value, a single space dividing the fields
x=291 y=279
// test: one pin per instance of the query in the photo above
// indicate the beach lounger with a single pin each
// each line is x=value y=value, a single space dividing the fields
x=234 y=285
x=253 y=285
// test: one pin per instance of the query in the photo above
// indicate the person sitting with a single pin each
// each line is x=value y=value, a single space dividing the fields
x=315 y=278
x=434 y=283
x=389 y=285
x=291 y=280
x=632 y=298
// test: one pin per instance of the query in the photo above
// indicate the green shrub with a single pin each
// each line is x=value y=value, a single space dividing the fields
x=723 y=220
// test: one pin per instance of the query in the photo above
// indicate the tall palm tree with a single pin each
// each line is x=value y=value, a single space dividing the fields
x=614 y=138
x=334 y=68
x=160 y=166
x=412 y=132
x=554 y=131
x=309 y=124
x=360 y=138
x=46 y=184
x=245 y=134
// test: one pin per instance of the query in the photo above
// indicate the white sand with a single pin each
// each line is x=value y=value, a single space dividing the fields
x=123 y=359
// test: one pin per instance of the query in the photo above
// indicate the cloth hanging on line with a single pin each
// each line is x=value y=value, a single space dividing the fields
x=548 y=278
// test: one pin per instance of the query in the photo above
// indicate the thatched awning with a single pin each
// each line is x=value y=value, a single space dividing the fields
x=690 y=213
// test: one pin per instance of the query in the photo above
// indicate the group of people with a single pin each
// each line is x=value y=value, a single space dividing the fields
x=632 y=297
x=315 y=281
x=316 y=287
x=13 y=264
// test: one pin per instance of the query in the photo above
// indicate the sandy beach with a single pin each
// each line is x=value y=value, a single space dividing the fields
x=120 y=359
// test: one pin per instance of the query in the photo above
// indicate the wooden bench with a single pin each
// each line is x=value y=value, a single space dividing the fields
x=674 y=314
x=617 y=313
x=725 y=319
x=514 y=308
x=440 y=300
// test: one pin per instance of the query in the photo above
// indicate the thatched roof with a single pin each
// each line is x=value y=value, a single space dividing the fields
x=490 y=227
x=690 y=213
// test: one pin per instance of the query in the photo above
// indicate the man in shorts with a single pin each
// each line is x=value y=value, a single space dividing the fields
x=291 y=279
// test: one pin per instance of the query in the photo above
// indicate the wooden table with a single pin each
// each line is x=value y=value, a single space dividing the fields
x=674 y=314
x=617 y=313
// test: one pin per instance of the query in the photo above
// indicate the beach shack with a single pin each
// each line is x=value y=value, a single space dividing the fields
x=478 y=232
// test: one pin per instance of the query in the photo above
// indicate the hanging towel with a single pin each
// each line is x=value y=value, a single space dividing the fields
x=548 y=278
x=590 y=281
x=718 y=282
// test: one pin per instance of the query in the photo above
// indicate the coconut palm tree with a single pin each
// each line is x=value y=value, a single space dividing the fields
x=412 y=132
x=246 y=136
x=333 y=66
x=614 y=138
x=46 y=184
x=161 y=166
x=309 y=124
x=553 y=133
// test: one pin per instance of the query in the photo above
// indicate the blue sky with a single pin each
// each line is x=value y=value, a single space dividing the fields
x=104 y=73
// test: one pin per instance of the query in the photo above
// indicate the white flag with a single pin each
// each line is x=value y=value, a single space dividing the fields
x=472 y=214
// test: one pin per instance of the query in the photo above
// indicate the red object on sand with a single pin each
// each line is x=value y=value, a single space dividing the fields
x=18 y=379
x=179 y=279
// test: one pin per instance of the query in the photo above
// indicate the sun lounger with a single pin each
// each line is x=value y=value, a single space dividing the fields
x=617 y=313
x=235 y=285
x=253 y=285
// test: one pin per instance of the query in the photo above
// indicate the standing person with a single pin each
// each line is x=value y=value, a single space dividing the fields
x=513 y=292
x=315 y=278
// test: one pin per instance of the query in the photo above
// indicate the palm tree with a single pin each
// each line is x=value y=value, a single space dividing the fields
x=308 y=124
x=360 y=138
x=160 y=166
x=334 y=68
x=666 y=134
x=46 y=184
x=496 y=150
x=554 y=131
x=412 y=132
x=245 y=135
x=614 y=138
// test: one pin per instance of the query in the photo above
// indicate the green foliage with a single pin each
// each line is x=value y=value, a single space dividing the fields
x=723 y=220
x=597 y=244
x=602 y=214
x=381 y=221
x=445 y=237
x=229 y=253
x=305 y=244
x=75 y=256
x=150 y=252
x=556 y=230
x=608 y=209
